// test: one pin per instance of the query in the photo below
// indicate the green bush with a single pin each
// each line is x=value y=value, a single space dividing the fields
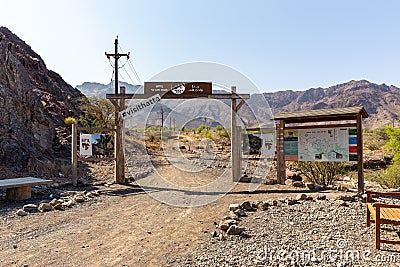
x=200 y=129
x=223 y=133
x=375 y=139
x=391 y=176
x=69 y=121
x=208 y=135
x=322 y=173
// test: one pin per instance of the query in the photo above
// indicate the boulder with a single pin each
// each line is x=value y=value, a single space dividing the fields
x=21 y=212
x=298 y=184
x=234 y=207
x=310 y=186
x=79 y=199
x=290 y=201
x=235 y=230
x=30 y=208
x=240 y=213
x=224 y=225
x=301 y=197
x=43 y=207
x=289 y=182
x=245 y=179
x=263 y=206
x=246 y=205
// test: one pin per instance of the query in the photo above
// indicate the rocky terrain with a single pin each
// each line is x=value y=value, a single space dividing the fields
x=308 y=230
x=34 y=102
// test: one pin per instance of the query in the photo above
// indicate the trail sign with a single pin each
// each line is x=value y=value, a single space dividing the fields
x=178 y=89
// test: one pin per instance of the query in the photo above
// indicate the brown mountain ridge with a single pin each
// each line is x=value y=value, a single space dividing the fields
x=382 y=102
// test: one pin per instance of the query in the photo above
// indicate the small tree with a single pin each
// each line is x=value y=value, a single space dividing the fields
x=391 y=175
x=98 y=112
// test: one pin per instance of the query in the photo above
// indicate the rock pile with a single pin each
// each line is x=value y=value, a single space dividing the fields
x=66 y=200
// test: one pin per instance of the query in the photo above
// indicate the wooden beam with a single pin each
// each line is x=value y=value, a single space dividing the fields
x=236 y=149
x=119 y=150
x=281 y=164
x=95 y=129
x=112 y=97
x=74 y=156
x=360 y=156
x=241 y=103
x=336 y=125
x=94 y=159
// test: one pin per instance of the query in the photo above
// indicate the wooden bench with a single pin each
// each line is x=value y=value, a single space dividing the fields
x=21 y=188
x=382 y=213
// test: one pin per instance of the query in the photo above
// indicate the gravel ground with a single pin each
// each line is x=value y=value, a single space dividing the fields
x=308 y=233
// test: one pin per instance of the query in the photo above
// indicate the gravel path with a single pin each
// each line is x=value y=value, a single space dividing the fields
x=308 y=233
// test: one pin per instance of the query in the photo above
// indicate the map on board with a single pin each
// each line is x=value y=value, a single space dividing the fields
x=323 y=144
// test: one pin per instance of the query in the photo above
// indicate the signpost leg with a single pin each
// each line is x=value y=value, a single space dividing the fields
x=281 y=164
x=119 y=150
x=235 y=146
x=360 y=156
x=74 y=157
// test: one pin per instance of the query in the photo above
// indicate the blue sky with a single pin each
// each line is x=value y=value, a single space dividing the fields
x=278 y=44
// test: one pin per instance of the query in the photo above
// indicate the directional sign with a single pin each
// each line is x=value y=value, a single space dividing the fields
x=140 y=106
x=178 y=89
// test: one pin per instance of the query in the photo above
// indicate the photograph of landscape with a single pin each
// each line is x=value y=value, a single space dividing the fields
x=199 y=133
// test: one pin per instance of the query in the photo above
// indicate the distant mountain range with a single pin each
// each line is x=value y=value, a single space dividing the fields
x=382 y=102
x=98 y=89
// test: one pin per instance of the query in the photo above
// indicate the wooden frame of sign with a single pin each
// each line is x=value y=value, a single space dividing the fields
x=201 y=90
x=310 y=119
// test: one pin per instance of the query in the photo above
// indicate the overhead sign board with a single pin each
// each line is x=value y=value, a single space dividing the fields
x=178 y=89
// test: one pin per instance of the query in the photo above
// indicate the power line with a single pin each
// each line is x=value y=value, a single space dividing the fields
x=130 y=64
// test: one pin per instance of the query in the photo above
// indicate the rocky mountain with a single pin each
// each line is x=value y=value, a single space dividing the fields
x=33 y=104
x=382 y=102
x=100 y=90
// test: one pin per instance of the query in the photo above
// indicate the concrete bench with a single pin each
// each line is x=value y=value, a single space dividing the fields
x=21 y=188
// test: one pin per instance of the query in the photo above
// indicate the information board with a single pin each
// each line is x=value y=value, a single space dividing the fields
x=321 y=144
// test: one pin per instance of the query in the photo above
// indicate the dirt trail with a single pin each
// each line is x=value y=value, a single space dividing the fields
x=124 y=227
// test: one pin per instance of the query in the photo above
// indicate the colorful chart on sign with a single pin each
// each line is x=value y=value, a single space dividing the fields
x=291 y=143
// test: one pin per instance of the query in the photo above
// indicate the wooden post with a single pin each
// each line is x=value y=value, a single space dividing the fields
x=119 y=149
x=235 y=146
x=74 y=157
x=281 y=164
x=360 y=156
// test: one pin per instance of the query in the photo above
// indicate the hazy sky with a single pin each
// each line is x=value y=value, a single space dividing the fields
x=278 y=44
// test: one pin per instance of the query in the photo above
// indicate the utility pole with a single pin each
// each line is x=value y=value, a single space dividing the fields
x=119 y=106
x=116 y=57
